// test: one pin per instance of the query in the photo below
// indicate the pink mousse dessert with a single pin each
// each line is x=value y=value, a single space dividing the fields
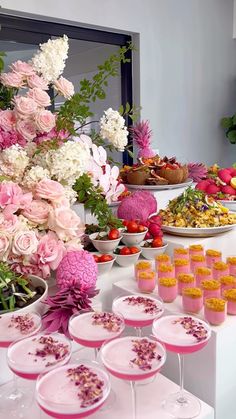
x=201 y=274
x=219 y=269
x=73 y=391
x=168 y=289
x=18 y=326
x=211 y=288
x=230 y=297
x=196 y=249
x=227 y=282
x=231 y=260
x=142 y=266
x=181 y=333
x=182 y=266
x=131 y=358
x=137 y=310
x=165 y=270
x=185 y=281
x=146 y=281
x=181 y=253
x=215 y=310
x=192 y=300
x=197 y=261
x=31 y=356
x=162 y=259
x=212 y=256
x=94 y=328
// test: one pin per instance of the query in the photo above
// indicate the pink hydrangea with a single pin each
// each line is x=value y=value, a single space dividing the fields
x=77 y=268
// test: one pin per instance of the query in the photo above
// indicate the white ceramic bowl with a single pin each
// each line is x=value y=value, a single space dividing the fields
x=152 y=252
x=104 y=267
x=127 y=260
x=131 y=239
x=37 y=306
x=104 y=246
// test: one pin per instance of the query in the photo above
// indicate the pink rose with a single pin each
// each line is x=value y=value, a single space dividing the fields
x=65 y=223
x=45 y=121
x=23 y=68
x=74 y=244
x=12 y=80
x=24 y=243
x=37 y=211
x=25 y=106
x=49 y=253
x=39 y=96
x=37 y=81
x=8 y=223
x=7 y=120
x=5 y=242
x=26 y=128
x=12 y=197
x=64 y=87
x=50 y=190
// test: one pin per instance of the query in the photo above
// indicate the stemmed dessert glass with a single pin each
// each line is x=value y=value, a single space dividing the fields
x=146 y=362
x=20 y=326
x=138 y=310
x=193 y=336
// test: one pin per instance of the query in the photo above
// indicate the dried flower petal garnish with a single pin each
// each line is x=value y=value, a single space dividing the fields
x=145 y=354
x=109 y=321
x=193 y=327
x=24 y=323
x=90 y=386
x=51 y=347
x=150 y=307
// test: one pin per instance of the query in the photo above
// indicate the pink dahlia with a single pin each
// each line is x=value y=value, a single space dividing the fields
x=77 y=268
x=140 y=205
x=9 y=138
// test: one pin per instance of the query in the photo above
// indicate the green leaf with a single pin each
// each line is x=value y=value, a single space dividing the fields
x=232 y=136
x=226 y=123
x=121 y=109
x=127 y=107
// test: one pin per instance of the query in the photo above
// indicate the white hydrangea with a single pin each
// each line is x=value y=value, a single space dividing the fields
x=34 y=175
x=13 y=162
x=49 y=61
x=70 y=194
x=113 y=129
x=69 y=162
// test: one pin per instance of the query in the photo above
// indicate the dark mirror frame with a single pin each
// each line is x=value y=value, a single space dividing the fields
x=32 y=31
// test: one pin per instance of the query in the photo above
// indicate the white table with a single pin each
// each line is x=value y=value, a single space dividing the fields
x=209 y=373
x=149 y=399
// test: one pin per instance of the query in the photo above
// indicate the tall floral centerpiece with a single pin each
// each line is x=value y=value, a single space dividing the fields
x=47 y=163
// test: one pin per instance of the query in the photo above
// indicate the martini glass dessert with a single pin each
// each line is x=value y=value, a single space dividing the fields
x=94 y=328
x=73 y=391
x=138 y=311
x=13 y=327
x=133 y=359
x=29 y=357
x=182 y=335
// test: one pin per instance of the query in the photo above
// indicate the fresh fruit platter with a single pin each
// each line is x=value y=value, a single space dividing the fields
x=195 y=210
x=221 y=183
x=155 y=171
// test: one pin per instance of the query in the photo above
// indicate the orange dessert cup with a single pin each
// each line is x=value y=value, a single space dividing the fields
x=142 y=266
x=197 y=261
x=215 y=310
x=230 y=297
x=146 y=281
x=212 y=256
x=162 y=259
x=181 y=253
x=182 y=266
x=192 y=300
x=196 y=249
x=231 y=260
x=165 y=270
x=227 y=282
x=185 y=281
x=219 y=269
x=211 y=288
x=168 y=289
x=201 y=274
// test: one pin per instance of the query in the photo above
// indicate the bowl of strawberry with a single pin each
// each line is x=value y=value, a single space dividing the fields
x=104 y=262
x=133 y=233
x=106 y=241
x=127 y=255
x=152 y=248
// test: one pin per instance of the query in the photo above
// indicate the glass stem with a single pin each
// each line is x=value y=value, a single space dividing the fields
x=134 y=401
x=181 y=373
x=15 y=384
x=138 y=332
x=96 y=353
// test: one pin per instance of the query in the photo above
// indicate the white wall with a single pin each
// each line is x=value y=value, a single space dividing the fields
x=187 y=65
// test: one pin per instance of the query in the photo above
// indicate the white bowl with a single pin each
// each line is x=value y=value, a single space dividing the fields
x=127 y=260
x=229 y=204
x=104 y=246
x=104 y=267
x=37 y=306
x=152 y=252
x=131 y=239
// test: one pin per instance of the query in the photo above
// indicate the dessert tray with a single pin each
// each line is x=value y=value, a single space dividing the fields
x=188 y=182
x=197 y=232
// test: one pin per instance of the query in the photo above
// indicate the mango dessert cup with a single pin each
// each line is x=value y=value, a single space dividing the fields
x=168 y=289
x=197 y=261
x=185 y=281
x=211 y=288
x=230 y=297
x=231 y=260
x=165 y=270
x=142 y=266
x=215 y=310
x=202 y=274
x=192 y=300
x=162 y=259
x=146 y=281
x=212 y=256
x=219 y=269
x=196 y=249
x=181 y=253
x=182 y=266
x=227 y=282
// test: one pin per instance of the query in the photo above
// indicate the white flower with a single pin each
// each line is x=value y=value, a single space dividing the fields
x=34 y=175
x=113 y=129
x=69 y=162
x=70 y=194
x=49 y=61
x=13 y=162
